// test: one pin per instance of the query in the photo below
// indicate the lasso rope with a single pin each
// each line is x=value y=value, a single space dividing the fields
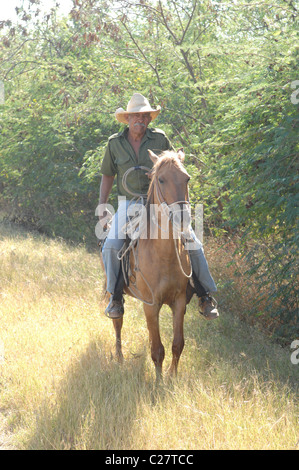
x=124 y=180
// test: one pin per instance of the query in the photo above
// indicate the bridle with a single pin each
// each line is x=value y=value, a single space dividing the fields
x=169 y=210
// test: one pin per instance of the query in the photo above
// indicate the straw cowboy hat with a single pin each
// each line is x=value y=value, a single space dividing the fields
x=137 y=104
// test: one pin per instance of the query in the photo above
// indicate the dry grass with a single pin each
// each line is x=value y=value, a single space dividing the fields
x=60 y=387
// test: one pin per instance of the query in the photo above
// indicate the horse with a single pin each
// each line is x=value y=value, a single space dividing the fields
x=160 y=266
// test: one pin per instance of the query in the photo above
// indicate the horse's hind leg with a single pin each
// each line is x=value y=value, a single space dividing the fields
x=157 y=348
x=178 y=309
x=118 y=323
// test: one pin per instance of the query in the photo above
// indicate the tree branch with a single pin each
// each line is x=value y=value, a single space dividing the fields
x=177 y=42
x=189 y=22
x=143 y=55
x=19 y=63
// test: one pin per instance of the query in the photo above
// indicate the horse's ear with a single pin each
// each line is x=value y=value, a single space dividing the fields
x=181 y=154
x=154 y=158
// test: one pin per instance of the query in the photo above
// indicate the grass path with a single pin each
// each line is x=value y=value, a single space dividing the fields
x=60 y=387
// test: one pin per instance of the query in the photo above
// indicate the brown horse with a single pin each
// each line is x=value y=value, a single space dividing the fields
x=160 y=266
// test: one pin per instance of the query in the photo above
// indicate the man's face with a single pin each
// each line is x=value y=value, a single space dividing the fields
x=138 y=122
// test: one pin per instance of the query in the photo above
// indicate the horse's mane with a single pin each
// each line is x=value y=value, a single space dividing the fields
x=167 y=158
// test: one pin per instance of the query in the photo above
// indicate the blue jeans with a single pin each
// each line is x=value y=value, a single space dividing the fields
x=115 y=241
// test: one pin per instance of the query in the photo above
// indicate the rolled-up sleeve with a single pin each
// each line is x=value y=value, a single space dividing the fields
x=108 y=166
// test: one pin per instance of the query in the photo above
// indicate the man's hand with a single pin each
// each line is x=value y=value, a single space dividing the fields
x=105 y=216
x=103 y=212
x=149 y=174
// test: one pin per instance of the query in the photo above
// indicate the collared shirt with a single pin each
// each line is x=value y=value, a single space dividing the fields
x=120 y=157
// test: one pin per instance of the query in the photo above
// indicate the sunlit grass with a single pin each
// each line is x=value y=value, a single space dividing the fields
x=61 y=388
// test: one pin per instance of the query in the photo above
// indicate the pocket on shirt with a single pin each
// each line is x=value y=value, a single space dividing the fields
x=124 y=159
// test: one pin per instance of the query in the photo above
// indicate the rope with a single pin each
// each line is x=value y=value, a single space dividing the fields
x=124 y=180
x=136 y=268
x=180 y=263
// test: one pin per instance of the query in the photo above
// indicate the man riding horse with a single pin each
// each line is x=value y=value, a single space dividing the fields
x=126 y=150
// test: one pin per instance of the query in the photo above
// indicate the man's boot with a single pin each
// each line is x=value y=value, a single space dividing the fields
x=208 y=307
x=115 y=308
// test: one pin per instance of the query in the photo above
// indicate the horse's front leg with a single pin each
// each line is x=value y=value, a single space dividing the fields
x=178 y=309
x=157 y=348
x=118 y=323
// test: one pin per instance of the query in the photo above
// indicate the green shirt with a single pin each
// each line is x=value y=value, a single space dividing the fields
x=120 y=156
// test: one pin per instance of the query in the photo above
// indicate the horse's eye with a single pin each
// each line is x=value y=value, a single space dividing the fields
x=161 y=180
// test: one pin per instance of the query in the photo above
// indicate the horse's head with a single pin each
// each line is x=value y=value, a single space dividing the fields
x=169 y=187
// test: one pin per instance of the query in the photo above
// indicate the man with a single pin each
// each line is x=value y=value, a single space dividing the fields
x=129 y=149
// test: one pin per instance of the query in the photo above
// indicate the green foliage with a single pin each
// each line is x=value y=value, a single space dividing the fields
x=258 y=132
x=222 y=73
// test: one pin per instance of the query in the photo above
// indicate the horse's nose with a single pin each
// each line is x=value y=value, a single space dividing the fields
x=181 y=216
